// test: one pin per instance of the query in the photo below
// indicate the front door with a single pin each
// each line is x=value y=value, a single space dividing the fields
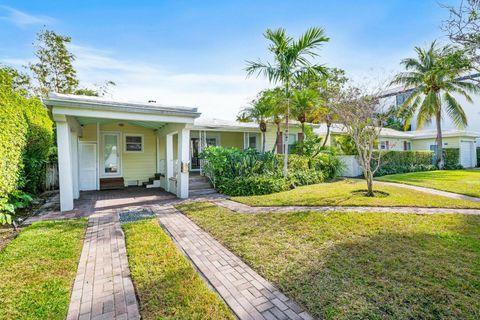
x=194 y=154
x=110 y=161
x=87 y=154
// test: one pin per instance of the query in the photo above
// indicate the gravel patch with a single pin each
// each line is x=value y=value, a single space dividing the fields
x=126 y=216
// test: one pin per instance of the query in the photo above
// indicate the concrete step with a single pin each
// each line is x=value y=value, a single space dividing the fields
x=201 y=192
x=199 y=185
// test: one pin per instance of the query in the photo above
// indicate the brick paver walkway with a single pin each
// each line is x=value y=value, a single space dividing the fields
x=103 y=288
x=248 y=294
x=244 y=208
x=432 y=191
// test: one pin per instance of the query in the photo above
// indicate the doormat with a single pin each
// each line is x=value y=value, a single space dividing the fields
x=135 y=215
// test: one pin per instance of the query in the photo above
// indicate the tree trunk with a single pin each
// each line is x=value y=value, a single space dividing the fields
x=440 y=158
x=263 y=141
x=285 y=144
x=327 y=135
x=301 y=138
x=370 y=185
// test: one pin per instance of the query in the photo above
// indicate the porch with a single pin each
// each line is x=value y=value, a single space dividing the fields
x=105 y=144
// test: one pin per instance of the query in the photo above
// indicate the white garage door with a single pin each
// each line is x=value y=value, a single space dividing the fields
x=466 y=154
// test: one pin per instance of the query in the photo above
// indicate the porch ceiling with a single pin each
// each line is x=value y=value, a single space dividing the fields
x=145 y=124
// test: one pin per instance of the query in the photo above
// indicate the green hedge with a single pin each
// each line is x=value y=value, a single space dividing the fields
x=452 y=158
x=13 y=131
x=26 y=133
x=392 y=162
x=478 y=157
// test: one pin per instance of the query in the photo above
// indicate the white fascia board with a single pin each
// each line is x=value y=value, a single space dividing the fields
x=229 y=129
x=116 y=115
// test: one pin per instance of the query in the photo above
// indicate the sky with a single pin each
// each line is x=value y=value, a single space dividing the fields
x=193 y=53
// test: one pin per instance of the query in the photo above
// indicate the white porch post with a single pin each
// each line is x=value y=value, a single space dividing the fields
x=74 y=152
x=64 y=164
x=169 y=159
x=183 y=159
x=158 y=152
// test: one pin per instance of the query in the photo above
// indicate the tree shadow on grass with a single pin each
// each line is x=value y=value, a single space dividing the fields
x=392 y=275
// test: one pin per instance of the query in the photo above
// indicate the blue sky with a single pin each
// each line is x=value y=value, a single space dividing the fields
x=193 y=52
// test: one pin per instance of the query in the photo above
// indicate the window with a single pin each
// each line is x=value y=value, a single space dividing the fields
x=401 y=97
x=211 y=142
x=384 y=145
x=292 y=141
x=407 y=145
x=252 y=141
x=133 y=143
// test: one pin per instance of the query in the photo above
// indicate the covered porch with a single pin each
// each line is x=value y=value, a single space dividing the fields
x=105 y=144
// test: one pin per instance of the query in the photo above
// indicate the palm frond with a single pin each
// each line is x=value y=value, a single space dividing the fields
x=455 y=111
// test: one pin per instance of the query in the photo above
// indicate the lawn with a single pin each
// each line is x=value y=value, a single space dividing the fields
x=346 y=193
x=359 y=265
x=38 y=268
x=465 y=182
x=166 y=283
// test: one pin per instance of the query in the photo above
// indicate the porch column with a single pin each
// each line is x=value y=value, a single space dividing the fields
x=183 y=159
x=158 y=152
x=74 y=153
x=169 y=159
x=64 y=164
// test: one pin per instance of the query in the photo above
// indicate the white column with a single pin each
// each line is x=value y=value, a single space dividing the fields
x=183 y=159
x=74 y=159
x=158 y=152
x=169 y=159
x=64 y=166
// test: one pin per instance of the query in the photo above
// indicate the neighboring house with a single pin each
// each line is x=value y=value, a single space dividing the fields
x=397 y=96
x=108 y=144
x=418 y=140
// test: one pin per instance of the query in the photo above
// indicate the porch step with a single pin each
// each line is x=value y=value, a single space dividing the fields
x=111 y=183
x=199 y=186
x=201 y=192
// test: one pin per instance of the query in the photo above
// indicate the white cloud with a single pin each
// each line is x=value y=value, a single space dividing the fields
x=216 y=95
x=21 y=18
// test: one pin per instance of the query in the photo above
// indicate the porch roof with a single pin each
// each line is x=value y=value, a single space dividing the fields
x=102 y=104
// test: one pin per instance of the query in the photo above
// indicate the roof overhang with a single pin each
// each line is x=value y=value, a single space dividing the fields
x=86 y=107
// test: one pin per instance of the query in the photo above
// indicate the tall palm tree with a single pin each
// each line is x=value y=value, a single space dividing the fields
x=260 y=110
x=434 y=75
x=291 y=60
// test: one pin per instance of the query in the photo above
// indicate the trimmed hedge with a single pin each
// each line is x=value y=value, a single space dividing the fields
x=478 y=157
x=13 y=132
x=452 y=158
x=392 y=162
x=26 y=133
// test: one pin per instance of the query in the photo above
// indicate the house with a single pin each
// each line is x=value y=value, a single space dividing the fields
x=112 y=144
x=391 y=139
x=397 y=96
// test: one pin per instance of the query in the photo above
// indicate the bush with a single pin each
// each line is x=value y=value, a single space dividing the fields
x=392 y=162
x=26 y=133
x=478 y=157
x=248 y=172
x=452 y=158
x=252 y=185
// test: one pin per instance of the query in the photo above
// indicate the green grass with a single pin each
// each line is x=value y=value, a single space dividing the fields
x=38 y=268
x=359 y=265
x=465 y=182
x=167 y=285
x=342 y=193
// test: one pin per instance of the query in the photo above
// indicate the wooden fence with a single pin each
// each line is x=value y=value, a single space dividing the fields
x=51 y=176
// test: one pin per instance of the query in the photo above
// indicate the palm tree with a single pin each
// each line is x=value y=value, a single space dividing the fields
x=433 y=76
x=260 y=110
x=291 y=60
x=303 y=103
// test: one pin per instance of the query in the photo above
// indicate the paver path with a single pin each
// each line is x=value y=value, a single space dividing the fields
x=103 y=288
x=432 y=191
x=244 y=208
x=248 y=294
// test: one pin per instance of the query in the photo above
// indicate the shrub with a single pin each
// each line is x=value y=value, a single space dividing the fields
x=392 y=162
x=252 y=185
x=13 y=131
x=249 y=172
x=478 y=157
x=452 y=158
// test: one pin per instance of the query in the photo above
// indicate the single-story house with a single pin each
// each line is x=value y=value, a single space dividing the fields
x=391 y=139
x=104 y=144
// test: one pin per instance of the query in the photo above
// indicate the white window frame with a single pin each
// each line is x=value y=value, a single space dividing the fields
x=386 y=145
x=125 y=135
